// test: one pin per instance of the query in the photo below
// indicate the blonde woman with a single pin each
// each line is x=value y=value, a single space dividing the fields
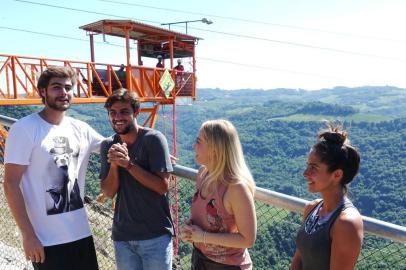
x=223 y=221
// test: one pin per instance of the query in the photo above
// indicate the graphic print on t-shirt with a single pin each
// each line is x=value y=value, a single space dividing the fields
x=63 y=194
x=216 y=225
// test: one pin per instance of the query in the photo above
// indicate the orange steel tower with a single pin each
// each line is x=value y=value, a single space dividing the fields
x=96 y=81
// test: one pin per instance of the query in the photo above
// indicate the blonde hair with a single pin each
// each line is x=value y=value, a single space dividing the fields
x=226 y=160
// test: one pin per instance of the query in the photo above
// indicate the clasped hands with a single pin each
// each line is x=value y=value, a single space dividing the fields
x=118 y=155
x=191 y=233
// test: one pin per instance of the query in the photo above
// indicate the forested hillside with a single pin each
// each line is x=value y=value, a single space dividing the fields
x=277 y=128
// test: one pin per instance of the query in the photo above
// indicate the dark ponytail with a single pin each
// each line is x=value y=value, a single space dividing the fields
x=335 y=150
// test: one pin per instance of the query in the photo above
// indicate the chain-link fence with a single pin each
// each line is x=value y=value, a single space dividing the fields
x=276 y=234
x=273 y=249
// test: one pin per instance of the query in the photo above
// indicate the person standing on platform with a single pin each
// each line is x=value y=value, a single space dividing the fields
x=179 y=69
x=160 y=62
x=121 y=75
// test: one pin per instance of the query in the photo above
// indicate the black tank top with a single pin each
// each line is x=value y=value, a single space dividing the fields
x=313 y=239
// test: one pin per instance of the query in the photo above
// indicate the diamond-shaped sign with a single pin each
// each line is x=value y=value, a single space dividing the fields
x=166 y=82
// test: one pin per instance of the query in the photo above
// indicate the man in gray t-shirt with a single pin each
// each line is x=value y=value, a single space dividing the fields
x=135 y=165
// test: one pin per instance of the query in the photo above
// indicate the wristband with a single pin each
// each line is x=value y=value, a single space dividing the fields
x=130 y=164
x=204 y=237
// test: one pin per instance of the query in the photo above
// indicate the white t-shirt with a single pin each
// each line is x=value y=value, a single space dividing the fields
x=53 y=184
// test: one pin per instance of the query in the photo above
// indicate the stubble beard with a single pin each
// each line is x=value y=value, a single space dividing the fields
x=126 y=130
x=53 y=105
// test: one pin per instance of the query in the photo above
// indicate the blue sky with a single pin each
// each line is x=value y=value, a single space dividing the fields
x=261 y=44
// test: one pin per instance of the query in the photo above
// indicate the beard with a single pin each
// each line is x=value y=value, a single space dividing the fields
x=130 y=127
x=54 y=105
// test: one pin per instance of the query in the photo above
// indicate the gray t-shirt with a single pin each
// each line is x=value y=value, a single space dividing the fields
x=140 y=213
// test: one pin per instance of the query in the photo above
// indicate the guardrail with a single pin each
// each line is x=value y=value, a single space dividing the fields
x=371 y=225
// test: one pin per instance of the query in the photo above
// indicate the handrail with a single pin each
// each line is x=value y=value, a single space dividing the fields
x=371 y=225
x=7 y=121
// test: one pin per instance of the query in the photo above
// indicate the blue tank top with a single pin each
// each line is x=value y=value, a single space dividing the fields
x=313 y=239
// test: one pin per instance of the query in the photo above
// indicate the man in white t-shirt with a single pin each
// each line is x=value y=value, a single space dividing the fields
x=46 y=158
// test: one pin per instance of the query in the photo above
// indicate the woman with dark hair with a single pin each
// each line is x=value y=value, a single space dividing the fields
x=332 y=231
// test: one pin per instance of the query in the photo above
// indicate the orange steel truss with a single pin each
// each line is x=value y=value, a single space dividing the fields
x=96 y=81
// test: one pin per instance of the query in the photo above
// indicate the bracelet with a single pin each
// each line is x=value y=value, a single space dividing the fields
x=130 y=164
x=204 y=237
